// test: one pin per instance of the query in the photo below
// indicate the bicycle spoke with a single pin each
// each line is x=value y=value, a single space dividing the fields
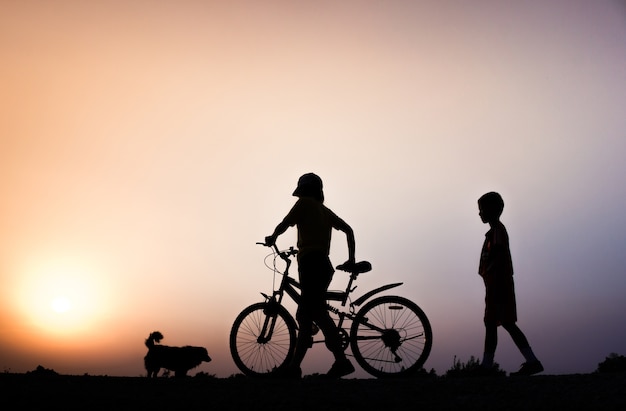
x=257 y=354
x=390 y=336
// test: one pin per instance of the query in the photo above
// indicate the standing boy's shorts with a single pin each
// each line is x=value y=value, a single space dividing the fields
x=500 y=306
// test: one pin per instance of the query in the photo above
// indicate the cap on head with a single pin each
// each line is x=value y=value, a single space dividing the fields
x=309 y=185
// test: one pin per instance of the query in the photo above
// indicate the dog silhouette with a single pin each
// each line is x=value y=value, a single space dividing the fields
x=177 y=359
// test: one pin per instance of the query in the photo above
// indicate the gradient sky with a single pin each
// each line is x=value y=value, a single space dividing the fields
x=146 y=146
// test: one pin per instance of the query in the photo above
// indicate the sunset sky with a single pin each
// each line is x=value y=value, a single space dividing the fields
x=146 y=146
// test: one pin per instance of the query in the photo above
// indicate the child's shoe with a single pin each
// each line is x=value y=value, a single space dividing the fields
x=340 y=368
x=529 y=368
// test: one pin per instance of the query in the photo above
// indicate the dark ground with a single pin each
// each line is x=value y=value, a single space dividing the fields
x=550 y=392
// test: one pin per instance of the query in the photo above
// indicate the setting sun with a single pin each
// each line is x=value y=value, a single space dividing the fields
x=61 y=304
x=61 y=297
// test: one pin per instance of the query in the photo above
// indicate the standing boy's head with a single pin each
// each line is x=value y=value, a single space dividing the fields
x=490 y=206
x=310 y=185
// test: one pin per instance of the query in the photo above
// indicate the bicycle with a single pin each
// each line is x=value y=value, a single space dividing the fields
x=390 y=336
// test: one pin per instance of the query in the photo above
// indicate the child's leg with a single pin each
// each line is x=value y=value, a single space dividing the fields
x=315 y=273
x=520 y=341
x=305 y=325
x=491 y=342
x=331 y=334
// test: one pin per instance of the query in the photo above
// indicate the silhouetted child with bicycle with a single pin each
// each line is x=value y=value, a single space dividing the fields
x=315 y=222
x=496 y=269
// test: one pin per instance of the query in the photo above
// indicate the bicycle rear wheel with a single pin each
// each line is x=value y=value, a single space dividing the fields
x=262 y=339
x=390 y=337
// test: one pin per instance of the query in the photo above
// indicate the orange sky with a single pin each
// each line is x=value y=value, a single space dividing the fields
x=145 y=148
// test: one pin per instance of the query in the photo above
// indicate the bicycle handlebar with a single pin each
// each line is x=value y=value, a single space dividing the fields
x=283 y=254
x=353 y=268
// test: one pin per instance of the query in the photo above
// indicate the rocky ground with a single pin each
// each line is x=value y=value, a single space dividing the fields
x=553 y=392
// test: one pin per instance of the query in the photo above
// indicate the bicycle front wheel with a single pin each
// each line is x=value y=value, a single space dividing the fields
x=390 y=337
x=262 y=339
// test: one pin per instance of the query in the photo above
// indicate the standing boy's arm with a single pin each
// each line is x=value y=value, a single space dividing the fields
x=499 y=254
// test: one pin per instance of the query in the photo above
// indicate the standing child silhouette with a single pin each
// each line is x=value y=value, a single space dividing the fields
x=496 y=269
x=315 y=222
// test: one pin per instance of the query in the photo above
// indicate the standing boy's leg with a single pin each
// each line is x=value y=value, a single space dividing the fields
x=517 y=335
x=491 y=342
x=521 y=342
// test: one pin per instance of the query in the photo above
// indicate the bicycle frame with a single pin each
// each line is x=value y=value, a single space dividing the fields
x=388 y=335
x=292 y=288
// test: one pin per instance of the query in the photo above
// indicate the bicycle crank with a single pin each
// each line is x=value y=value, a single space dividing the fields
x=345 y=338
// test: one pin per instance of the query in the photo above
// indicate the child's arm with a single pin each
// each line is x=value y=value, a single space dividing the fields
x=498 y=261
x=343 y=226
x=280 y=228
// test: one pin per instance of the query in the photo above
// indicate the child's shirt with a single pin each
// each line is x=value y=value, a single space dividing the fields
x=315 y=222
x=495 y=257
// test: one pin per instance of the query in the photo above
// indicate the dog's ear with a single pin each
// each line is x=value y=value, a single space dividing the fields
x=156 y=336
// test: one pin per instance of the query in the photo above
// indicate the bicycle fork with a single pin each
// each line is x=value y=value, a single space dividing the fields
x=267 y=330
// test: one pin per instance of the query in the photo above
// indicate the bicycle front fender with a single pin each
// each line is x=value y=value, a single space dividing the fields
x=367 y=295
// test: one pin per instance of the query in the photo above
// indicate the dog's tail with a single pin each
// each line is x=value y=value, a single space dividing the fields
x=152 y=338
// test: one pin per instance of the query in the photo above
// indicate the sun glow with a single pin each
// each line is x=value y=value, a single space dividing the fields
x=62 y=298
x=61 y=304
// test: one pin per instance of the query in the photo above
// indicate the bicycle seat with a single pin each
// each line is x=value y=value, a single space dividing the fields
x=356 y=268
